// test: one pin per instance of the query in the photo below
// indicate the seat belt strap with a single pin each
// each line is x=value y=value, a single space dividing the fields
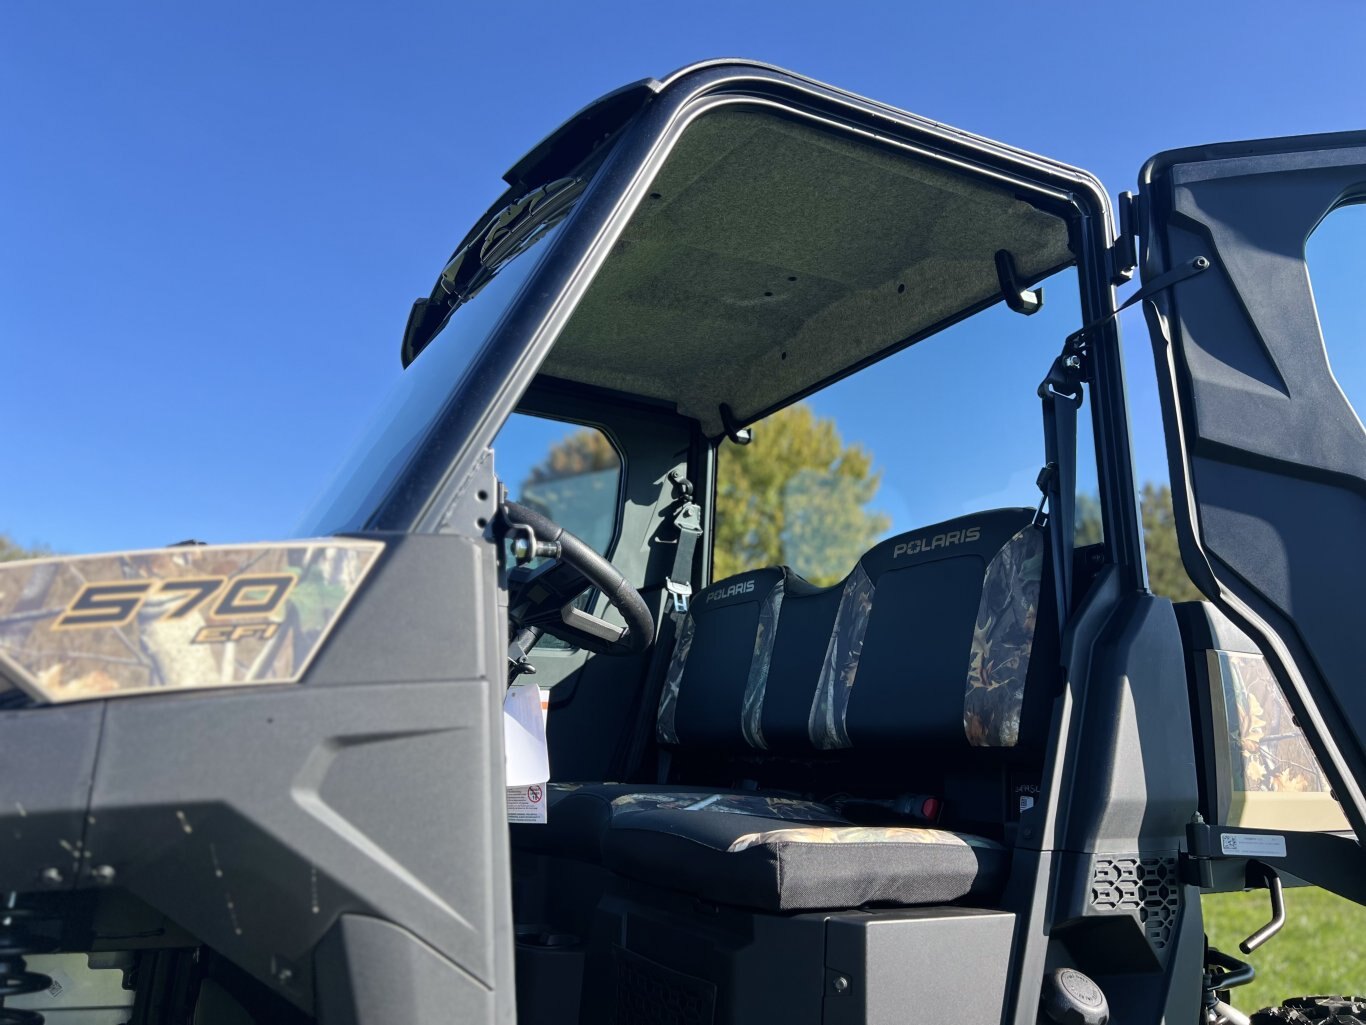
x=1061 y=392
x=686 y=521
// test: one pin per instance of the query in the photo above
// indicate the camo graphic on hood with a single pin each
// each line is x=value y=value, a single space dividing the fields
x=789 y=809
x=1001 y=642
x=752 y=708
x=188 y=617
x=862 y=834
x=666 y=728
x=826 y=726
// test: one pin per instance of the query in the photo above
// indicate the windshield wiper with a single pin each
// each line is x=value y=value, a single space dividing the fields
x=509 y=233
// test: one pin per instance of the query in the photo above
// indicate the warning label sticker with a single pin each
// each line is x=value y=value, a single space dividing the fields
x=527 y=804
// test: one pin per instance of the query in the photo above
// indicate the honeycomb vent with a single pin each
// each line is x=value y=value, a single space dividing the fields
x=1146 y=886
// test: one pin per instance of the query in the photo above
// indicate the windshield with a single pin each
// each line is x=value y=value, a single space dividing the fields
x=416 y=401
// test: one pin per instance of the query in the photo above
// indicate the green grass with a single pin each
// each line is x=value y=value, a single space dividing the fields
x=1322 y=948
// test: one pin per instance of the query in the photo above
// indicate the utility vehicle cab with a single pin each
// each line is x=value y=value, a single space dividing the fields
x=780 y=438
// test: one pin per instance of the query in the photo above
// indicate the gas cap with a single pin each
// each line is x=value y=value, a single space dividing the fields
x=1071 y=998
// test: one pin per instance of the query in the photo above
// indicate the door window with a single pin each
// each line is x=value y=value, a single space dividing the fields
x=567 y=472
x=1336 y=257
x=1275 y=782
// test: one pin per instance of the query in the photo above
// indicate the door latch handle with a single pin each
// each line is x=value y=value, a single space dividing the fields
x=1259 y=874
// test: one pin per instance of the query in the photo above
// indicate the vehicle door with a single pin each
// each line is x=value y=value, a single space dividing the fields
x=1267 y=455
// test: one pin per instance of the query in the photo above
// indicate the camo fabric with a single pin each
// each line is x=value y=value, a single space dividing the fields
x=789 y=809
x=1270 y=752
x=1001 y=641
x=175 y=618
x=666 y=728
x=861 y=834
x=752 y=708
x=826 y=726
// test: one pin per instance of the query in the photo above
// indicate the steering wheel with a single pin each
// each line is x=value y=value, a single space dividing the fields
x=542 y=597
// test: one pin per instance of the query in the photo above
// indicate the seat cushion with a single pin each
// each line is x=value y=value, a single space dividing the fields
x=778 y=854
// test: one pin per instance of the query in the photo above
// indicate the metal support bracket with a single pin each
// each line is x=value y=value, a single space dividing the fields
x=1220 y=856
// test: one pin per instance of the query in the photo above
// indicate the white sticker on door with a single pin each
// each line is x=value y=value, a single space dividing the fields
x=1252 y=845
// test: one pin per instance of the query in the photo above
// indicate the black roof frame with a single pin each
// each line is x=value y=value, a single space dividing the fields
x=508 y=365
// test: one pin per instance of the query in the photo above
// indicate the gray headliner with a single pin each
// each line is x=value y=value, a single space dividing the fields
x=778 y=255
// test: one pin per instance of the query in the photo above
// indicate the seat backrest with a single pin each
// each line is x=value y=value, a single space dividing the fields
x=933 y=640
x=929 y=642
x=720 y=662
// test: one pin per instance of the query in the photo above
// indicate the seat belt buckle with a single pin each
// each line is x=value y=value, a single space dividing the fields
x=1046 y=483
x=678 y=594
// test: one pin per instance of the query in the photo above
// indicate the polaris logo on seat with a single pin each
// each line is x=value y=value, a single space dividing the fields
x=926 y=544
x=743 y=587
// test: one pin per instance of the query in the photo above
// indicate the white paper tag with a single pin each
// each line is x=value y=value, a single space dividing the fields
x=527 y=804
x=1252 y=845
x=528 y=760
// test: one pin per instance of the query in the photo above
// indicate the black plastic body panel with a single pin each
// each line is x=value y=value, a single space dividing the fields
x=1102 y=892
x=381 y=973
x=276 y=812
x=948 y=964
x=1134 y=763
x=1268 y=459
x=47 y=763
x=364 y=804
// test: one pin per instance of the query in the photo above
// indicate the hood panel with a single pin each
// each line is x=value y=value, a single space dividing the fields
x=188 y=617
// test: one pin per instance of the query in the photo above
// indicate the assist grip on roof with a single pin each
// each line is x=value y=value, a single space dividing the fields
x=736 y=433
x=1028 y=301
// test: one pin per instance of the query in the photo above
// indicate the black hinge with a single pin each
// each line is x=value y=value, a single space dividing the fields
x=1126 y=245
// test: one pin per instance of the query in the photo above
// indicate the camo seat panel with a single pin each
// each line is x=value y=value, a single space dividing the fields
x=777 y=854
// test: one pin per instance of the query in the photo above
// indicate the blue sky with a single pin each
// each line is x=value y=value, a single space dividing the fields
x=216 y=216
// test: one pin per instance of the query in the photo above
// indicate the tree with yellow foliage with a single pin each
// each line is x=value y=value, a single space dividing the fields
x=796 y=488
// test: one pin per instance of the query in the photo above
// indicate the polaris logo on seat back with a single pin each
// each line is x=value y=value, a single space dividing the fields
x=925 y=544
x=742 y=587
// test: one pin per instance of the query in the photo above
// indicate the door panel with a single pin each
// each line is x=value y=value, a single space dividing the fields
x=1268 y=457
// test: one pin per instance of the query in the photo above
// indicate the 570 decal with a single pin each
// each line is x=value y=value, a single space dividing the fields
x=249 y=596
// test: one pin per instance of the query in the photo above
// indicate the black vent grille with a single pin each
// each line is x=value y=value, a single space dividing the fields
x=650 y=994
x=1147 y=886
